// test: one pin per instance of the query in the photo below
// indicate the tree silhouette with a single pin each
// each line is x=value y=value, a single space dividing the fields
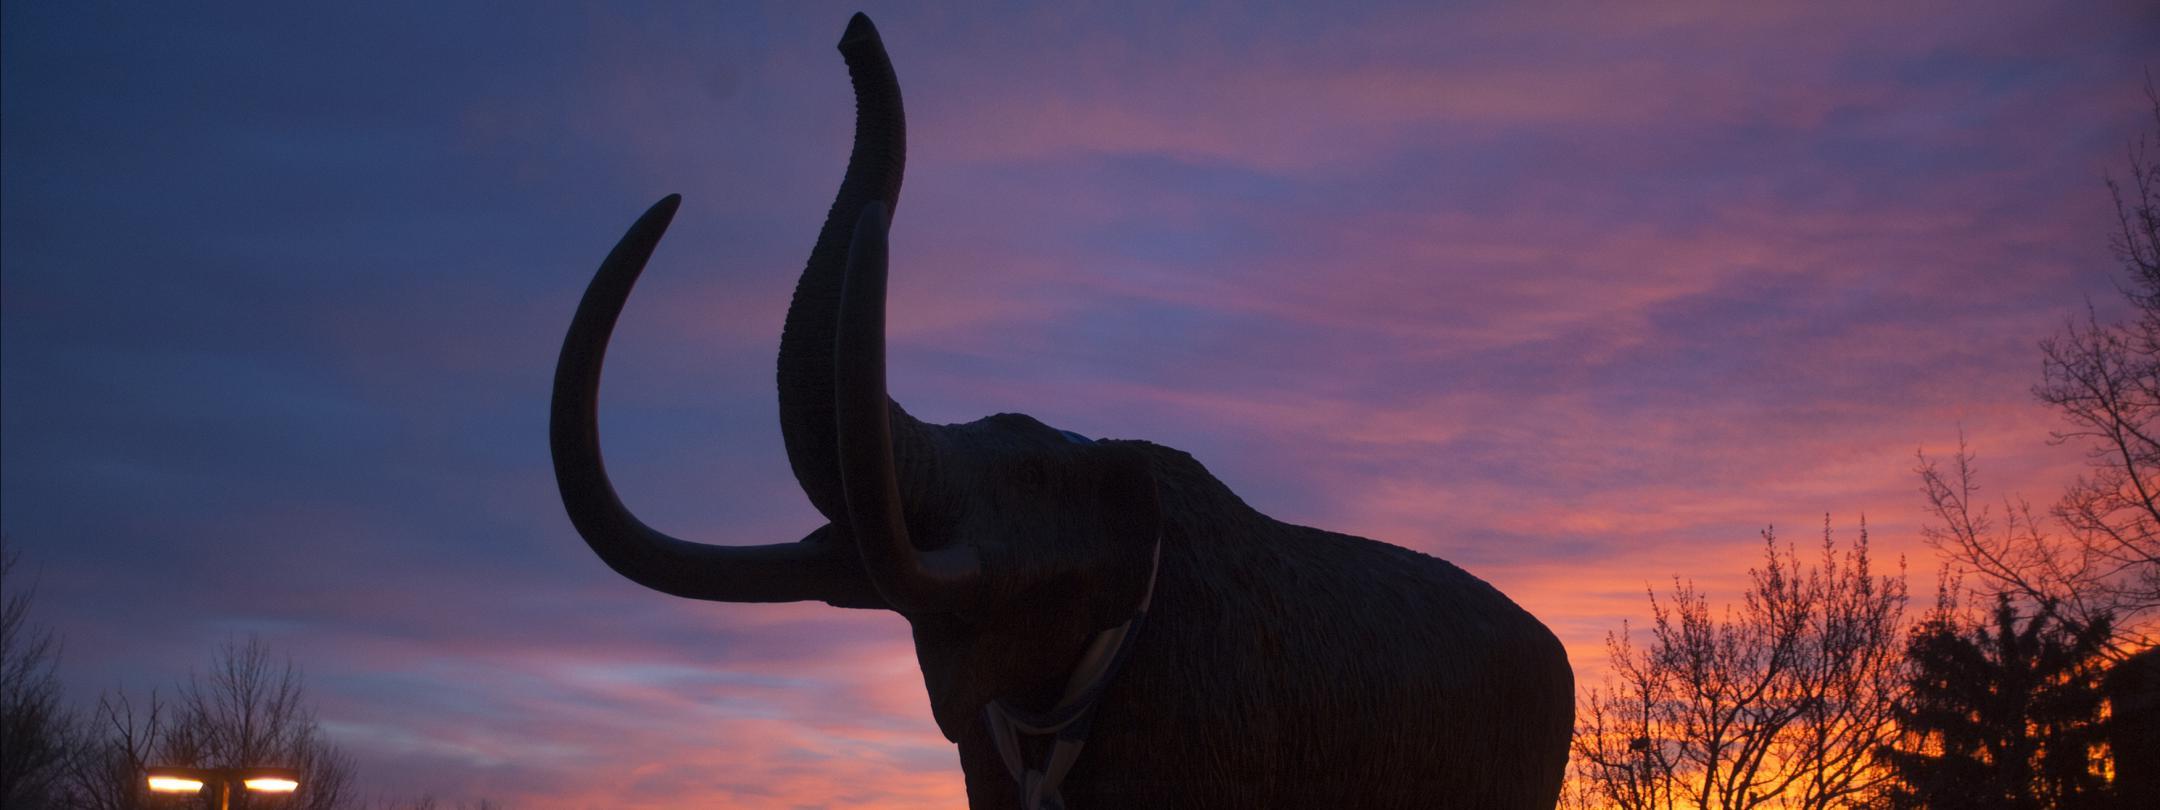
x=1782 y=703
x=2096 y=551
x=247 y=710
x=2104 y=378
x=105 y=772
x=34 y=727
x=2002 y=715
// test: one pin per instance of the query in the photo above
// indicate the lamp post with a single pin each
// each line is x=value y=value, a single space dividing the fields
x=191 y=781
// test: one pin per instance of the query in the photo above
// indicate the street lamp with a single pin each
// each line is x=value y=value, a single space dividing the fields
x=191 y=781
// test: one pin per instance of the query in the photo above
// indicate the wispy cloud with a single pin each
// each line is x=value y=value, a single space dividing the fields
x=1581 y=299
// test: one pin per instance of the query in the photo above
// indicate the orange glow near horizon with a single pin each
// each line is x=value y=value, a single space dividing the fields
x=1578 y=302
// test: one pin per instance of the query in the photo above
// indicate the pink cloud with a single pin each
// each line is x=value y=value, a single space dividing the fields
x=1614 y=362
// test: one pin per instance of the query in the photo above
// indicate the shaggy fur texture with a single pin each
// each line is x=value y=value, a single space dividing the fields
x=1281 y=666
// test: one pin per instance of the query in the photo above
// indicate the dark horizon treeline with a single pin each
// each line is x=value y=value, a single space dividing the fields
x=1816 y=693
x=249 y=708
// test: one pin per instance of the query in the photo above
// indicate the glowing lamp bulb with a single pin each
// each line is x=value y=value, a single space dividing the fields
x=271 y=784
x=175 y=784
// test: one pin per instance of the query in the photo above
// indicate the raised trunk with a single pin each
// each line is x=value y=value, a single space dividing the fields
x=806 y=342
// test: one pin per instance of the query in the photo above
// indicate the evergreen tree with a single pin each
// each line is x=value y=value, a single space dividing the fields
x=2001 y=715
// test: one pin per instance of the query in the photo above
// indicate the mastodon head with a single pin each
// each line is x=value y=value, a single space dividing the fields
x=924 y=519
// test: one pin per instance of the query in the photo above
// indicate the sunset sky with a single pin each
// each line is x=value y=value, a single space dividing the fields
x=1579 y=300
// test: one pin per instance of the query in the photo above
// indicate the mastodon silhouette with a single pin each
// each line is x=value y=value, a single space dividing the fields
x=1099 y=623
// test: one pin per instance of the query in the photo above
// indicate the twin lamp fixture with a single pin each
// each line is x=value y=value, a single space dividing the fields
x=170 y=781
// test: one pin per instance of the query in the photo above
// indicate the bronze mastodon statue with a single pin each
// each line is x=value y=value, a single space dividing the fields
x=1100 y=623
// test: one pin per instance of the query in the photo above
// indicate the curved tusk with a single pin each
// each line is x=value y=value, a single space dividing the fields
x=813 y=569
x=912 y=582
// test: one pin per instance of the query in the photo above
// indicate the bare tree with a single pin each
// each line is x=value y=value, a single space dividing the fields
x=247 y=710
x=2097 y=552
x=2105 y=381
x=35 y=728
x=1781 y=703
x=2012 y=550
x=105 y=771
x=250 y=710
